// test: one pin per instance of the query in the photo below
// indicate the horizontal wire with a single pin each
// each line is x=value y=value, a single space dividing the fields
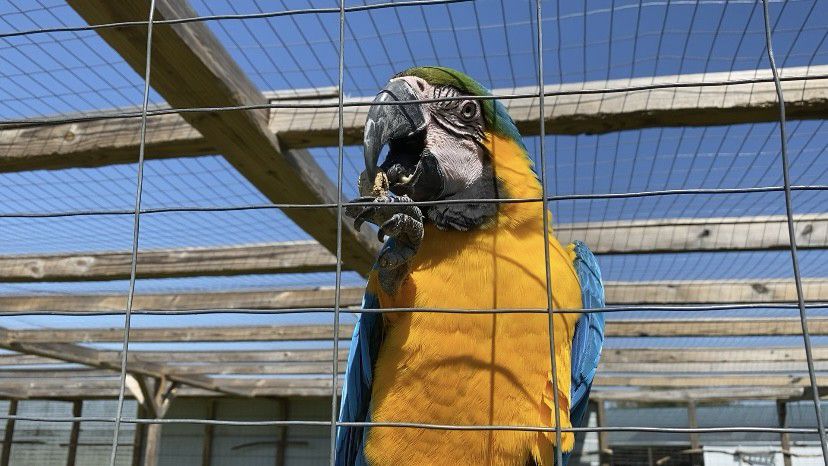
x=368 y=103
x=324 y=310
x=564 y=197
x=205 y=18
x=222 y=422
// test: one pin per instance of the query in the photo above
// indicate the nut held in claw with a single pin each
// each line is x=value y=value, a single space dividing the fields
x=378 y=189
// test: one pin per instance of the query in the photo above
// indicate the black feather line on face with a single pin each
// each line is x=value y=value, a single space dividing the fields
x=449 y=115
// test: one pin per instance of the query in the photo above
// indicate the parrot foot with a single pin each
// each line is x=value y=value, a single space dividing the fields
x=401 y=223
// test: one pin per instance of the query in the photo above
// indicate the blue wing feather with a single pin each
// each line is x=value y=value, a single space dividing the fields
x=356 y=390
x=589 y=333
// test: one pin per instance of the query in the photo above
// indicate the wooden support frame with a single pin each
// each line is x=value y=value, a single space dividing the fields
x=784 y=438
x=207 y=443
x=695 y=439
x=618 y=237
x=157 y=395
x=116 y=141
x=745 y=326
x=287 y=257
x=91 y=357
x=74 y=433
x=758 y=291
x=191 y=68
x=8 y=434
x=604 y=450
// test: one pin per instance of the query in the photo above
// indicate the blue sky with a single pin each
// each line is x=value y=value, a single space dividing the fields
x=76 y=72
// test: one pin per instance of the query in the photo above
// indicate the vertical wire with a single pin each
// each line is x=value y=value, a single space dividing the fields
x=558 y=453
x=792 y=235
x=136 y=225
x=338 y=287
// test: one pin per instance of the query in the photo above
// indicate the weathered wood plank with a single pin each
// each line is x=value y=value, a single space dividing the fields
x=695 y=327
x=191 y=68
x=701 y=394
x=319 y=368
x=288 y=257
x=620 y=237
x=116 y=141
x=683 y=388
x=91 y=357
x=272 y=299
x=703 y=382
x=618 y=293
x=714 y=291
x=604 y=112
x=697 y=234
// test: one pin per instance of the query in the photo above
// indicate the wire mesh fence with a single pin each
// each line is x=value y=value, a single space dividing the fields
x=779 y=178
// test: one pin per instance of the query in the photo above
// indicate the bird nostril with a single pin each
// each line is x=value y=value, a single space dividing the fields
x=421 y=86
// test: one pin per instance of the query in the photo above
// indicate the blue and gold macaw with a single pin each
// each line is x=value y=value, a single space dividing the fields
x=452 y=368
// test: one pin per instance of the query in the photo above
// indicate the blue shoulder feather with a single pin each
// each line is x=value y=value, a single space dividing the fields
x=589 y=333
x=356 y=390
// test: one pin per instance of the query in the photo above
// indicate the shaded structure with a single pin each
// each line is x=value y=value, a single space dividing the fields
x=267 y=141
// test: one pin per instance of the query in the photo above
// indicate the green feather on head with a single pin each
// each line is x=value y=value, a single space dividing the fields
x=497 y=118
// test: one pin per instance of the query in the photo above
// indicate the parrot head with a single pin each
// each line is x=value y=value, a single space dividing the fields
x=462 y=148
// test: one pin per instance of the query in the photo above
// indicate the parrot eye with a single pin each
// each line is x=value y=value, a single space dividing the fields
x=469 y=110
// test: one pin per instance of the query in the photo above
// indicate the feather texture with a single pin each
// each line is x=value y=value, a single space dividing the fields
x=589 y=334
x=356 y=391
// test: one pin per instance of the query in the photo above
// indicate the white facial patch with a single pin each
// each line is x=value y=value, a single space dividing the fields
x=461 y=160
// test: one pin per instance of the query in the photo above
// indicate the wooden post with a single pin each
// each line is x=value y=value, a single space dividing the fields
x=604 y=452
x=782 y=415
x=695 y=443
x=8 y=436
x=157 y=399
x=207 y=445
x=281 y=445
x=74 y=434
x=138 y=439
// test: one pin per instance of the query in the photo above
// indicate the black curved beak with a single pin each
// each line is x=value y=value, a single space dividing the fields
x=388 y=121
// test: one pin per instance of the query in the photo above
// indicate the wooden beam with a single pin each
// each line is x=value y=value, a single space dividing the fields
x=699 y=386
x=288 y=257
x=618 y=293
x=191 y=68
x=8 y=361
x=604 y=112
x=270 y=299
x=91 y=357
x=113 y=141
x=619 y=237
x=74 y=434
x=774 y=290
x=604 y=451
x=784 y=438
x=706 y=355
x=8 y=434
x=254 y=367
x=709 y=395
x=695 y=438
x=695 y=327
x=116 y=141
x=700 y=381
x=697 y=234
x=207 y=442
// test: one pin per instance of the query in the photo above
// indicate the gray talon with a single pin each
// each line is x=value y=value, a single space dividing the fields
x=403 y=223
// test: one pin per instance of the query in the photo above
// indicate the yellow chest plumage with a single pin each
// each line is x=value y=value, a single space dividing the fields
x=483 y=369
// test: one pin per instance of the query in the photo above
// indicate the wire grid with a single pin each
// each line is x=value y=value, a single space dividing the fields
x=785 y=188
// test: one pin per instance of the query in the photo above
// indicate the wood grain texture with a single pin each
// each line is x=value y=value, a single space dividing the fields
x=696 y=327
x=618 y=293
x=616 y=237
x=191 y=68
x=99 y=143
x=288 y=257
